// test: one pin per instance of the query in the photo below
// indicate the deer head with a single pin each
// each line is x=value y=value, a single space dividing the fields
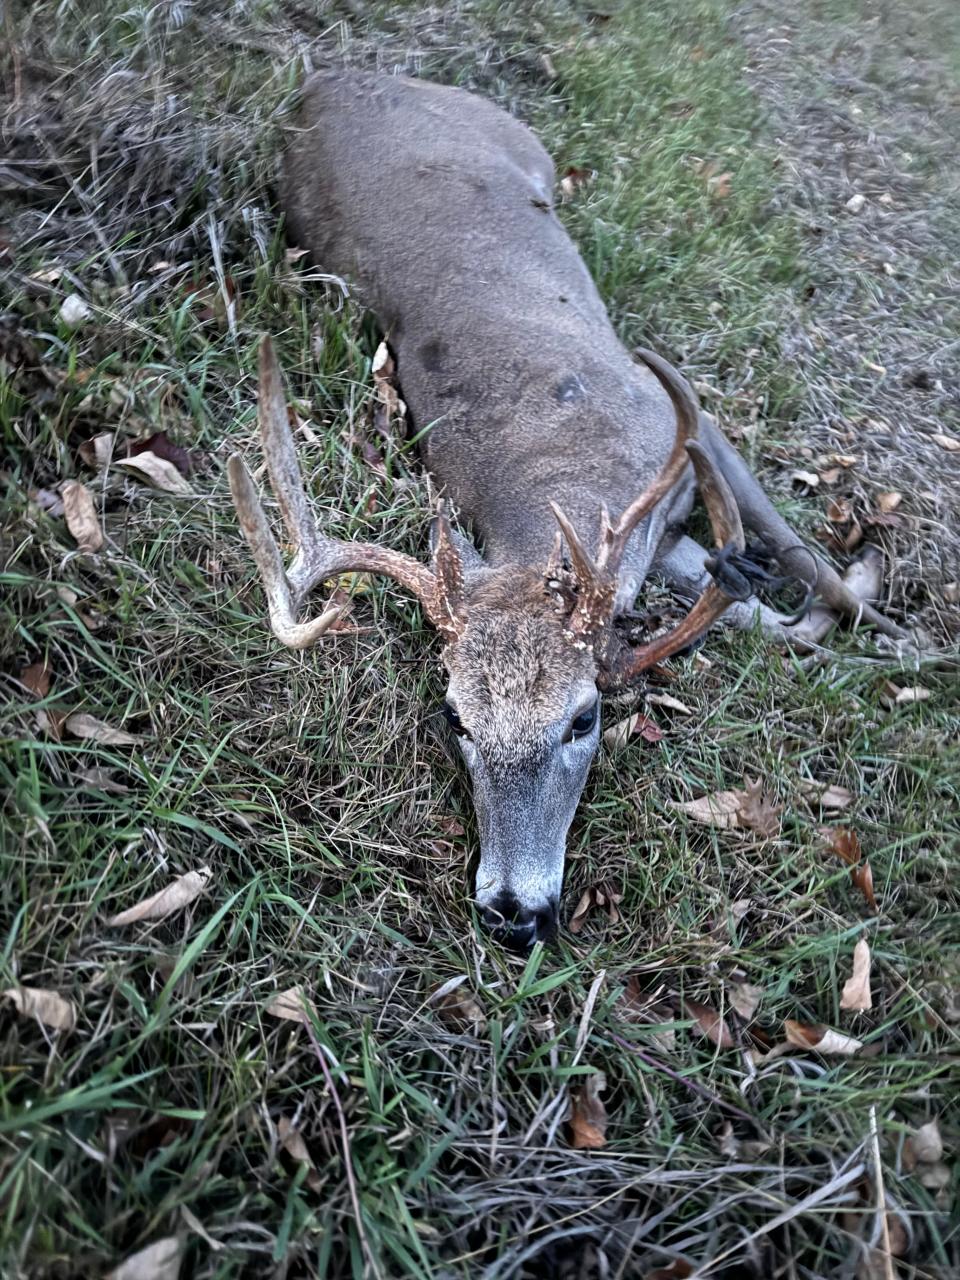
x=528 y=649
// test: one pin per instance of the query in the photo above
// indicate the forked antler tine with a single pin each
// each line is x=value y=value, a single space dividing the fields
x=583 y=564
x=280 y=453
x=281 y=602
x=614 y=537
x=713 y=601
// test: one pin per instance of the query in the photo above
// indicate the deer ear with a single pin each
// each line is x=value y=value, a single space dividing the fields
x=470 y=558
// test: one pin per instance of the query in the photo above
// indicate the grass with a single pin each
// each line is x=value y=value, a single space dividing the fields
x=319 y=788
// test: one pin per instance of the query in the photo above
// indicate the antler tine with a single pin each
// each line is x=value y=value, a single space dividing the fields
x=318 y=557
x=614 y=537
x=279 y=451
x=281 y=602
x=583 y=563
x=714 y=600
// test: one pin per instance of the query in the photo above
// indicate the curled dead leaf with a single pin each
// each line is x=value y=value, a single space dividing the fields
x=588 y=1115
x=638 y=724
x=174 y=897
x=98 y=452
x=81 y=516
x=36 y=678
x=163 y=447
x=83 y=726
x=163 y=475
x=809 y=478
x=950 y=443
x=827 y=795
x=856 y=990
x=48 y=1007
x=600 y=897
x=291 y=1140
x=887 y=502
x=924 y=1145
x=158 y=1261
x=846 y=845
x=913 y=693
x=823 y=1039
x=710 y=1024
x=757 y=809
x=293 y=1004
x=459 y=1007
x=744 y=999
x=670 y=702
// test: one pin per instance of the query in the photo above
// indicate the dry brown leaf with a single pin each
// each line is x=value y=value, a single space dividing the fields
x=588 y=1116
x=950 y=443
x=830 y=476
x=600 y=896
x=98 y=451
x=174 y=897
x=81 y=516
x=935 y=1177
x=101 y=780
x=823 y=1039
x=720 y=185
x=162 y=474
x=721 y=809
x=163 y=447
x=619 y=735
x=669 y=701
x=846 y=845
x=827 y=795
x=387 y=403
x=460 y=1009
x=292 y=1004
x=887 y=502
x=809 y=478
x=913 y=693
x=744 y=999
x=758 y=811
x=574 y=178
x=924 y=1145
x=36 y=678
x=158 y=1261
x=46 y=1006
x=710 y=1024
x=292 y=1142
x=83 y=726
x=856 y=990
x=839 y=510
x=73 y=311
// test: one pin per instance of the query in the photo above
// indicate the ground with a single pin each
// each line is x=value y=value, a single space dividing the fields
x=727 y=146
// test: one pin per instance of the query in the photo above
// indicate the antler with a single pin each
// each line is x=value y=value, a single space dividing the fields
x=318 y=557
x=592 y=617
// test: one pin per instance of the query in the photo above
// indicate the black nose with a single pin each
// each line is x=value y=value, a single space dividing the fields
x=517 y=928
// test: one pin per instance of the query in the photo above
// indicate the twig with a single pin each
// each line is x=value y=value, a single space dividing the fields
x=347 y=1158
x=881 y=1196
x=657 y=1065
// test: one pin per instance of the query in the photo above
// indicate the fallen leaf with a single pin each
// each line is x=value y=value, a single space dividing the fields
x=158 y=1261
x=669 y=701
x=846 y=845
x=721 y=809
x=46 y=1006
x=292 y=1142
x=36 y=678
x=161 y=446
x=574 y=178
x=823 y=1039
x=73 y=311
x=81 y=516
x=924 y=1145
x=101 y=780
x=950 y=443
x=839 y=510
x=913 y=693
x=887 y=502
x=158 y=471
x=460 y=1009
x=856 y=202
x=638 y=724
x=758 y=811
x=83 y=726
x=174 y=897
x=856 y=990
x=387 y=404
x=744 y=999
x=851 y=459
x=809 y=478
x=831 y=476
x=600 y=896
x=588 y=1116
x=98 y=451
x=827 y=795
x=292 y=1004
x=710 y=1024
x=719 y=185
x=935 y=1177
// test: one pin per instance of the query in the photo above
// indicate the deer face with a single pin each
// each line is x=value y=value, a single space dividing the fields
x=524 y=704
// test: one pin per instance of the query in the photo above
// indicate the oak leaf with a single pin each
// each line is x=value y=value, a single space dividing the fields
x=588 y=1115
x=600 y=896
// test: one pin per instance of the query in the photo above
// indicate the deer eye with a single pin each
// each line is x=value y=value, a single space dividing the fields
x=453 y=720
x=583 y=723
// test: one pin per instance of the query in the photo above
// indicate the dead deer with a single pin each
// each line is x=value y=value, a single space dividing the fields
x=438 y=206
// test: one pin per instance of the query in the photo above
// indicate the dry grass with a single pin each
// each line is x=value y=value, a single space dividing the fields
x=318 y=788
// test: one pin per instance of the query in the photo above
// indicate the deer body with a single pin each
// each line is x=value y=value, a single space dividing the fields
x=438 y=206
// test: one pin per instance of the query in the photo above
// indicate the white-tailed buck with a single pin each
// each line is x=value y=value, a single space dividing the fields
x=537 y=422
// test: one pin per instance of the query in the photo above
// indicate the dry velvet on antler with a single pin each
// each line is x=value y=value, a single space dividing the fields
x=319 y=558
